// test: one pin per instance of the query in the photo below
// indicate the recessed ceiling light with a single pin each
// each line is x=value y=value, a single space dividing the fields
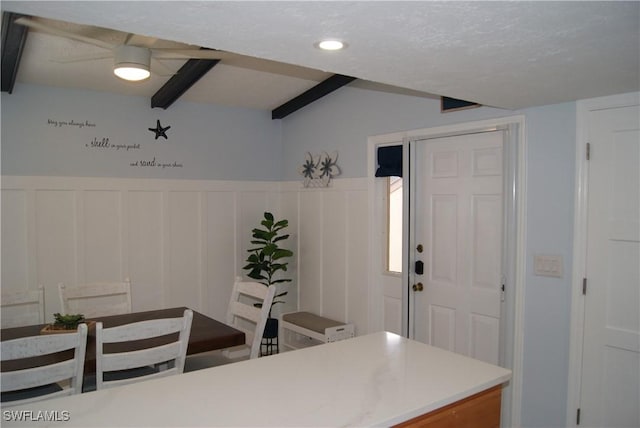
x=331 y=45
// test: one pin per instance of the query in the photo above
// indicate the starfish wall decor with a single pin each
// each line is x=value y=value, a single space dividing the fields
x=160 y=131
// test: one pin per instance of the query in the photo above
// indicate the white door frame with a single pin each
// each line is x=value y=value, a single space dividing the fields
x=580 y=240
x=516 y=162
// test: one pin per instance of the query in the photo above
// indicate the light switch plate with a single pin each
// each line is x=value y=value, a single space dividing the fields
x=547 y=265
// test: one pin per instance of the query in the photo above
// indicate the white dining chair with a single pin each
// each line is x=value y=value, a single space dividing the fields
x=97 y=299
x=47 y=381
x=115 y=368
x=20 y=308
x=242 y=314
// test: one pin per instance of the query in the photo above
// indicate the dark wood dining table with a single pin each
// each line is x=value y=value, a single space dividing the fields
x=207 y=334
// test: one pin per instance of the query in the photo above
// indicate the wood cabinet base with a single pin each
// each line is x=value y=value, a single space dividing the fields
x=481 y=410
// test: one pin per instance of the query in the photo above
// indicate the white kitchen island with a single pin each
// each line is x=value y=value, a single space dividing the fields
x=379 y=379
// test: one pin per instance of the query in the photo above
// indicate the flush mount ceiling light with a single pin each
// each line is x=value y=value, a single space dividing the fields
x=131 y=62
x=331 y=45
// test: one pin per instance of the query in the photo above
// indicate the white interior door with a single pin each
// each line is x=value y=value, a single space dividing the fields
x=611 y=360
x=458 y=226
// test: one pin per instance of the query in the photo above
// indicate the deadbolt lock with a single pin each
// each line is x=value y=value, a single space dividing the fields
x=419 y=248
x=418 y=287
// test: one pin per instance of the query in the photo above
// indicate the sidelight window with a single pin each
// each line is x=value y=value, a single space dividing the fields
x=394 y=226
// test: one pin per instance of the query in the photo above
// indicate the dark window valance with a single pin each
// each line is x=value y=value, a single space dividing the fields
x=389 y=161
x=453 y=104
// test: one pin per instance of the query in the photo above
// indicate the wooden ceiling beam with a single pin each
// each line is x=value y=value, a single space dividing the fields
x=320 y=90
x=192 y=71
x=13 y=39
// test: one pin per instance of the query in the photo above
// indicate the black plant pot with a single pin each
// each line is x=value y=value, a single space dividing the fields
x=269 y=345
x=271 y=329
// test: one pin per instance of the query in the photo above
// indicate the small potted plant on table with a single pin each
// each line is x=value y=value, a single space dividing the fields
x=65 y=323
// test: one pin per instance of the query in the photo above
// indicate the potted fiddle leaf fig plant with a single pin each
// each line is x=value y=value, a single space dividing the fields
x=267 y=261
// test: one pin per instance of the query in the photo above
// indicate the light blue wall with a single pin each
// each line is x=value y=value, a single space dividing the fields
x=210 y=142
x=344 y=120
x=550 y=211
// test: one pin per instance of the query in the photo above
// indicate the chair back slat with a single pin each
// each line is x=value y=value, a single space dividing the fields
x=35 y=346
x=140 y=358
x=154 y=361
x=244 y=311
x=96 y=299
x=21 y=308
x=253 y=289
x=38 y=376
x=142 y=330
x=64 y=377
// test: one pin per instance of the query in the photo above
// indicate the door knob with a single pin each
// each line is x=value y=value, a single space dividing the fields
x=418 y=287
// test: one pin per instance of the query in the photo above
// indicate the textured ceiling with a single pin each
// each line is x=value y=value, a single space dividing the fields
x=503 y=54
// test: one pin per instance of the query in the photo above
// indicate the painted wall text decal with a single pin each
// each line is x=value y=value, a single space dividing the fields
x=78 y=124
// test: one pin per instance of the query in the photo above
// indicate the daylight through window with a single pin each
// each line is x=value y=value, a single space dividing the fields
x=394 y=232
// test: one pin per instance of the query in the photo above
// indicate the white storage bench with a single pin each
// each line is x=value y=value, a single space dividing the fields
x=302 y=329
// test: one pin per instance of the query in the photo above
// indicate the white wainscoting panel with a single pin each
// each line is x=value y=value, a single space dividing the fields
x=14 y=240
x=333 y=266
x=101 y=234
x=56 y=243
x=184 y=237
x=179 y=241
x=357 y=242
x=221 y=244
x=182 y=242
x=311 y=266
x=289 y=207
x=334 y=254
x=145 y=248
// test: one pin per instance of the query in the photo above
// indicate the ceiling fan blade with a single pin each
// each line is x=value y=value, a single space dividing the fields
x=128 y=38
x=169 y=53
x=138 y=40
x=79 y=58
x=51 y=30
x=159 y=69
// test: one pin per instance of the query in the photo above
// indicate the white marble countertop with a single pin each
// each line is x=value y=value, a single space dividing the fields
x=374 y=380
